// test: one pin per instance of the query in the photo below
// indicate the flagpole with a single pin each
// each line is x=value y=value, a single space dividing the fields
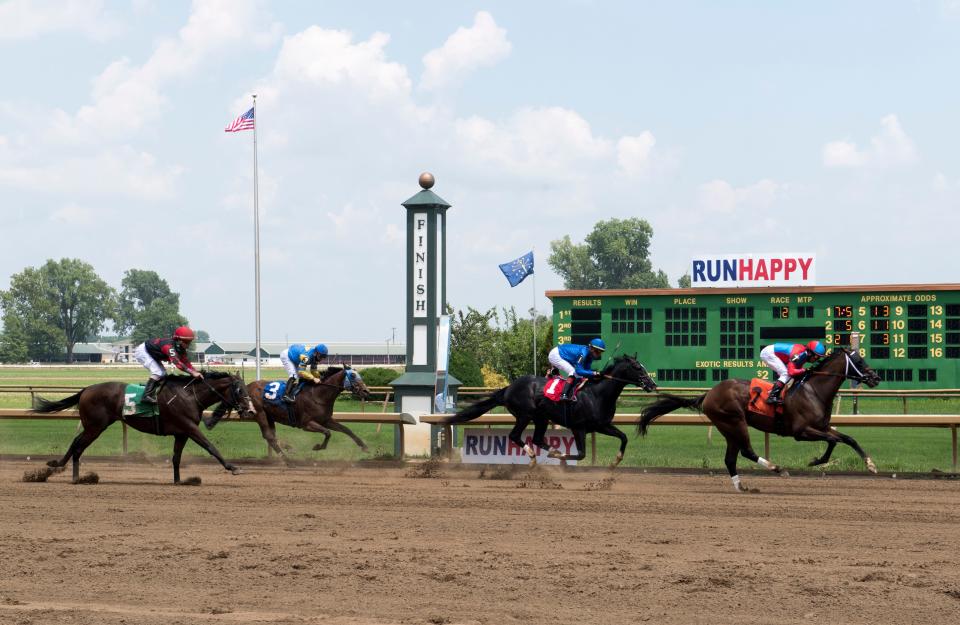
x=534 y=310
x=256 y=236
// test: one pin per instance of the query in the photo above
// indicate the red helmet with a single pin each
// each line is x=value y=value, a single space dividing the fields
x=184 y=334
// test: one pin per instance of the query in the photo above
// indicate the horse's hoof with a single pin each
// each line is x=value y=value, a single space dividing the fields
x=871 y=466
x=783 y=473
x=554 y=453
x=365 y=450
x=53 y=464
x=236 y=471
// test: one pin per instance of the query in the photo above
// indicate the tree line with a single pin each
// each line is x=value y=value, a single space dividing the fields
x=490 y=348
x=49 y=309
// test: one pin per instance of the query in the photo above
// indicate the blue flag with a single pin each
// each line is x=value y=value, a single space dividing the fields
x=517 y=270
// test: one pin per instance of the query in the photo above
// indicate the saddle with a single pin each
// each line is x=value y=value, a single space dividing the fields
x=759 y=391
x=135 y=408
x=553 y=389
x=273 y=394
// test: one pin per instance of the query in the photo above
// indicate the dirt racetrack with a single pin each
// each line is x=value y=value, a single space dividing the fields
x=362 y=545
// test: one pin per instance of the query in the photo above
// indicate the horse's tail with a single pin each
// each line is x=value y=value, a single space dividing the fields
x=45 y=405
x=475 y=410
x=666 y=403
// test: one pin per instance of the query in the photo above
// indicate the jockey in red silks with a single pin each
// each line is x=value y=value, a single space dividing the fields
x=173 y=350
x=787 y=360
x=574 y=361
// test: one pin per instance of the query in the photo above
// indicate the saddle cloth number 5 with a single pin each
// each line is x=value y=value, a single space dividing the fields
x=270 y=392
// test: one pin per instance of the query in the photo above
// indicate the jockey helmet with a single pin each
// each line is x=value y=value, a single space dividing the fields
x=598 y=344
x=817 y=348
x=320 y=349
x=184 y=334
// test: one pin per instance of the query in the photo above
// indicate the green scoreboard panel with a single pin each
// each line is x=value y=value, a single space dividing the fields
x=697 y=337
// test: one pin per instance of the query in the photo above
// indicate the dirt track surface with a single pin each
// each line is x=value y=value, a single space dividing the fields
x=343 y=545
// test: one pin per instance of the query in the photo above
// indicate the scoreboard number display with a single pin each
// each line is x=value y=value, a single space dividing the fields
x=910 y=334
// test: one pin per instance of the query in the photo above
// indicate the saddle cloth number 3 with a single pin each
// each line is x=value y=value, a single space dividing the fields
x=271 y=390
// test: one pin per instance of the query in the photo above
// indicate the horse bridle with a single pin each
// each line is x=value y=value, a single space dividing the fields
x=859 y=377
x=626 y=381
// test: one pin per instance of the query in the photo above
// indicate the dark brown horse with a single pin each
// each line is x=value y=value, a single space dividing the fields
x=182 y=401
x=312 y=411
x=592 y=412
x=806 y=411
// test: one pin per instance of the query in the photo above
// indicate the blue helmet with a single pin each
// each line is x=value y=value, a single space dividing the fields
x=598 y=344
x=817 y=348
x=320 y=350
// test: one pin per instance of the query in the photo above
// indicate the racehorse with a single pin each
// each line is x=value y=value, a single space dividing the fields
x=592 y=412
x=312 y=411
x=181 y=401
x=806 y=411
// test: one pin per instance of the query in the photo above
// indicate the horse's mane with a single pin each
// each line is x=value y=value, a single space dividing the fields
x=616 y=361
x=330 y=372
x=828 y=358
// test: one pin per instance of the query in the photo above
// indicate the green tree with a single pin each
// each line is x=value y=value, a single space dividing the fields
x=13 y=340
x=60 y=304
x=499 y=340
x=616 y=255
x=147 y=307
x=203 y=336
x=465 y=367
x=685 y=281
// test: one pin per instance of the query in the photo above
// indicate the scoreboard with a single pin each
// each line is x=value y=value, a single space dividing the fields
x=910 y=334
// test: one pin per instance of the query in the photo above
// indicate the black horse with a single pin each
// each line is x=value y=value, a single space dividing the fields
x=593 y=412
x=181 y=401
x=806 y=411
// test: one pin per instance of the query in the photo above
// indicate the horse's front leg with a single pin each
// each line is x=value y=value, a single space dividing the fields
x=612 y=430
x=339 y=427
x=179 y=442
x=834 y=436
x=313 y=426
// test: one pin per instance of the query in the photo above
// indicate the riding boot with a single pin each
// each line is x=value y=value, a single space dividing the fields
x=774 y=397
x=567 y=393
x=291 y=387
x=150 y=393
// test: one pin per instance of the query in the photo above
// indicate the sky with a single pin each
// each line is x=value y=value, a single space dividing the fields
x=732 y=127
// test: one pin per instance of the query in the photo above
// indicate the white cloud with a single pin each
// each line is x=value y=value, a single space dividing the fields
x=73 y=215
x=544 y=143
x=27 y=19
x=482 y=45
x=720 y=196
x=120 y=171
x=126 y=97
x=321 y=56
x=635 y=154
x=890 y=147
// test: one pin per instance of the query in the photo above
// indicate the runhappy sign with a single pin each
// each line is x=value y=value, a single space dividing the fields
x=776 y=269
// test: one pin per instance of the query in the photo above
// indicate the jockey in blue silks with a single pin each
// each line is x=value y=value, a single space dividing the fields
x=295 y=360
x=574 y=361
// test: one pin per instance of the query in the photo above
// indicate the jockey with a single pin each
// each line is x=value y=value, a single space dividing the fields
x=173 y=350
x=295 y=359
x=787 y=361
x=574 y=362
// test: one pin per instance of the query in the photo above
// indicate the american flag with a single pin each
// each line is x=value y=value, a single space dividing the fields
x=244 y=122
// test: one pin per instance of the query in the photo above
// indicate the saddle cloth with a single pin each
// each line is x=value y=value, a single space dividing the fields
x=132 y=406
x=553 y=389
x=759 y=391
x=273 y=392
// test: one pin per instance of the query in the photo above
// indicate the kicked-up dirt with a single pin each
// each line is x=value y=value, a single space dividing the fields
x=336 y=544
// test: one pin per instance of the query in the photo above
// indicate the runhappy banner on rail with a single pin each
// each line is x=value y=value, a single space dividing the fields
x=774 y=269
x=492 y=446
